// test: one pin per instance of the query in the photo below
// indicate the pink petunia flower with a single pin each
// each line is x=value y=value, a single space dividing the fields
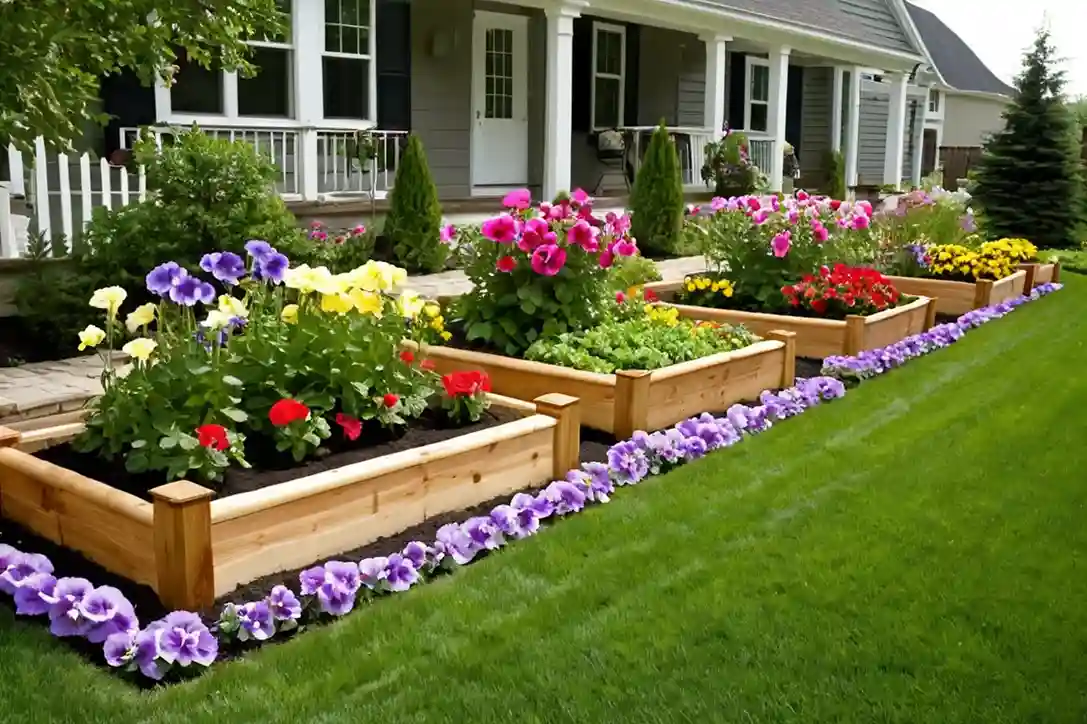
x=866 y=206
x=718 y=203
x=753 y=203
x=359 y=230
x=548 y=260
x=520 y=199
x=759 y=217
x=623 y=247
x=502 y=229
x=781 y=244
x=447 y=233
x=819 y=232
x=584 y=235
x=802 y=195
x=580 y=197
x=860 y=221
x=606 y=259
x=559 y=211
x=617 y=224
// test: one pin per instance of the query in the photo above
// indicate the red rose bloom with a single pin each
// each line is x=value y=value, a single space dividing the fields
x=407 y=357
x=427 y=364
x=390 y=399
x=212 y=436
x=352 y=426
x=506 y=264
x=458 y=384
x=287 y=411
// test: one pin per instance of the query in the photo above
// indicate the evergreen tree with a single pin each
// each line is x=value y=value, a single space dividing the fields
x=656 y=202
x=1029 y=182
x=414 y=221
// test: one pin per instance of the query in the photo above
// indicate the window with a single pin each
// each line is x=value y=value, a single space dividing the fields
x=196 y=89
x=757 y=95
x=933 y=100
x=609 y=75
x=498 y=91
x=347 y=58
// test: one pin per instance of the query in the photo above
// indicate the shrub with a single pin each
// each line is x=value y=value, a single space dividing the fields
x=205 y=194
x=341 y=250
x=836 y=187
x=728 y=167
x=632 y=271
x=538 y=272
x=415 y=216
x=656 y=202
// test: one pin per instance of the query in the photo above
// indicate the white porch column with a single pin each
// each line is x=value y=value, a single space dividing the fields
x=853 y=129
x=837 y=89
x=560 y=99
x=308 y=34
x=779 y=93
x=716 y=83
x=919 y=140
x=896 y=131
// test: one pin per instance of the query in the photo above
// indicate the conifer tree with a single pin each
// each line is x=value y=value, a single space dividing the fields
x=414 y=221
x=656 y=202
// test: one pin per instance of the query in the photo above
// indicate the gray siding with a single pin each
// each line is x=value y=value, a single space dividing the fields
x=873 y=138
x=692 y=83
x=815 y=131
x=880 y=24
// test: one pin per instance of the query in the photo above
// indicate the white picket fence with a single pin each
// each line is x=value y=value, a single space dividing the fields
x=61 y=190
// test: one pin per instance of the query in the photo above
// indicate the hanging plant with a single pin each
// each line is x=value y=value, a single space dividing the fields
x=363 y=147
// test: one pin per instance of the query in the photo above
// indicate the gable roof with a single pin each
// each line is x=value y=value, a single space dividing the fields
x=959 y=66
x=870 y=21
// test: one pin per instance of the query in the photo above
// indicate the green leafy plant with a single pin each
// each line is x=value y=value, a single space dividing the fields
x=632 y=271
x=728 y=168
x=339 y=250
x=656 y=202
x=836 y=187
x=414 y=221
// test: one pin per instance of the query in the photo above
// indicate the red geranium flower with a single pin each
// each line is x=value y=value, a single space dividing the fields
x=650 y=296
x=620 y=297
x=468 y=383
x=212 y=436
x=287 y=411
x=427 y=364
x=506 y=264
x=352 y=426
x=390 y=399
x=407 y=357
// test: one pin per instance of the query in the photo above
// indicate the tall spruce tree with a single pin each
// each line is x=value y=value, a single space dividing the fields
x=414 y=221
x=1029 y=182
x=656 y=202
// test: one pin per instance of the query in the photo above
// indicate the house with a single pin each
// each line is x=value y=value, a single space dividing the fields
x=514 y=93
x=967 y=102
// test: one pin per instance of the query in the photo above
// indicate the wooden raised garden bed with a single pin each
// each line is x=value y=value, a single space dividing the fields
x=191 y=549
x=1039 y=274
x=819 y=338
x=632 y=400
x=961 y=297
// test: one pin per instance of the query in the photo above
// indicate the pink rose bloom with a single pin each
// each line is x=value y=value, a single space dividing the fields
x=548 y=260
x=359 y=230
x=624 y=247
x=781 y=244
x=606 y=259
x=580 y=198
x=584 y=235
x=447 y=233
x=506 y=264
x=820 y=232
x=860 y=221
x=759 y=217
x=502 y=229
x=718 y=203
x=520 y=199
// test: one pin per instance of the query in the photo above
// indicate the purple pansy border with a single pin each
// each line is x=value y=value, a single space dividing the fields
x=183 y=641
x=875 y=362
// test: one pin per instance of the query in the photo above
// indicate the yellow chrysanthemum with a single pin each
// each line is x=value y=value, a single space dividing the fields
x=91 y=336
x=141 y=316
x=289 y=314
x=233 y=307
x=140 y=348
x=337 y=303
x=109 y=299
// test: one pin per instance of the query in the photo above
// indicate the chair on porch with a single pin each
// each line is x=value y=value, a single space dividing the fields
x=611 y=153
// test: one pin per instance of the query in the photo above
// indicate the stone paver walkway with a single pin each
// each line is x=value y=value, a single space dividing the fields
x=42 y=389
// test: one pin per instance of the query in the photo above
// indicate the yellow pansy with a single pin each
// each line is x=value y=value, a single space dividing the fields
x=141 y=316
x=431 y=309
x=437 y=324
x=410 y=304
x=217 y=319
x=232 y=307
x=367 y=302
x=140 y=348
x=306 y=279
x=109 y=299
x=91 y=336
x=336 y=303
x=289 y=314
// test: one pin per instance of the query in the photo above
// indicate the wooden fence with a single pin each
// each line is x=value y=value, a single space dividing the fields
x=957 y=162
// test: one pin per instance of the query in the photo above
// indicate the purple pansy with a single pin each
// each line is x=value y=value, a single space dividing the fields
x=453 y=542
x=64 y=616
x=36 y=595
x=628 y=462
x=566 y=496
x=284 y=605
x=185 y=640
x=226 y=266
x=400 y=573
x=372 y=572
x=164 y=277
x=483 y=533
x=108 y=612
x=528 y=517
x=334 y=584
x=258 y=248
x=17 y=567
x=257 y=620
x=190 y=290
x=270 y=268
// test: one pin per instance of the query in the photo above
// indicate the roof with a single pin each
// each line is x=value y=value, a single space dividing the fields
x=869 y=21
x=959 y=66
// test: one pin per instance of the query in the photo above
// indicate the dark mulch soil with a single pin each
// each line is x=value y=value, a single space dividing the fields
x=271 y=468
x=946 y=318
x=19 y=346
x=808 y=367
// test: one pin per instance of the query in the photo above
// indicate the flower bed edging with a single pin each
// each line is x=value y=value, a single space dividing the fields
x=960 y=297
x=877 y=361
x=181 y=639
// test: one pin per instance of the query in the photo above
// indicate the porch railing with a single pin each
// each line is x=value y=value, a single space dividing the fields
x=761 y=152
x=690 y=146
x=342 y=169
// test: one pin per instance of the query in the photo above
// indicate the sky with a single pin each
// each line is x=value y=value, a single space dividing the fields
x=1000 y=30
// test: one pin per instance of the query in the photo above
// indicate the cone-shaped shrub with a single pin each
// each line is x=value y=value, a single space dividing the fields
x=657 y=200
x=414 y=220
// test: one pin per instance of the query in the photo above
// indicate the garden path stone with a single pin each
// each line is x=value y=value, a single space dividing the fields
x=41 y=389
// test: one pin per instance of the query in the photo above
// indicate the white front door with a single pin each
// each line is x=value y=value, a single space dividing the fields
x=499 y=102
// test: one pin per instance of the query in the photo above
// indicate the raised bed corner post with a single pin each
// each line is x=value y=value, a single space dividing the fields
x=8 y=438
x=183 y=558
x=930 y=315
x=1031 y=270
x=631 y=402
x=788 y=372
x=1055 y=278
x=983 y=292
x=854 y=334
x=567 y=413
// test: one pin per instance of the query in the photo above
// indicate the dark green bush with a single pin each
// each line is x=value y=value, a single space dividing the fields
x=414 y=220
x=836 y=175
x=656 y=202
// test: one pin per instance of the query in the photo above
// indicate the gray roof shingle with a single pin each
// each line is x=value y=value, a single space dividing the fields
x=957 y=63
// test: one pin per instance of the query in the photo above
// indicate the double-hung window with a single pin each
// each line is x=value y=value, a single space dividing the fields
x=347 y=60
x=609 y=75
x=757 y=95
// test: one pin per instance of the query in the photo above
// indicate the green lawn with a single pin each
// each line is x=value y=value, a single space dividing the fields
x=914 y=553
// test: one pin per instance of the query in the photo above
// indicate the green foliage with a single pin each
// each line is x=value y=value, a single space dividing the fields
x=656 y=201
x=415 y=216
x=836 y=187
x=728 y=168
x=632 y=271
x=340 y=250
x=1029 y=181
x=55 y=53
x=648 y=340
x=205 y=195
x=923 y=218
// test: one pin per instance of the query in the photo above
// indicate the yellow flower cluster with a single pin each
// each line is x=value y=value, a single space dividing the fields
x=433 y=319
x=364 y=289
x=668 y=316
x=1020 y=250
x=993 y=259
x=702 y=284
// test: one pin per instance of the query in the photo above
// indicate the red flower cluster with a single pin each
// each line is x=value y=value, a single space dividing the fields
x=212 y=436
x=287 y=411
x=843 y=290
x=407 y=357
x=352 y=426
x=466 y=384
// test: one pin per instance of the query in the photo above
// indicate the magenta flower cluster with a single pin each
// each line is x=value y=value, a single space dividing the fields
x=181 y=639
x=547 y=233
x=872 y=363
